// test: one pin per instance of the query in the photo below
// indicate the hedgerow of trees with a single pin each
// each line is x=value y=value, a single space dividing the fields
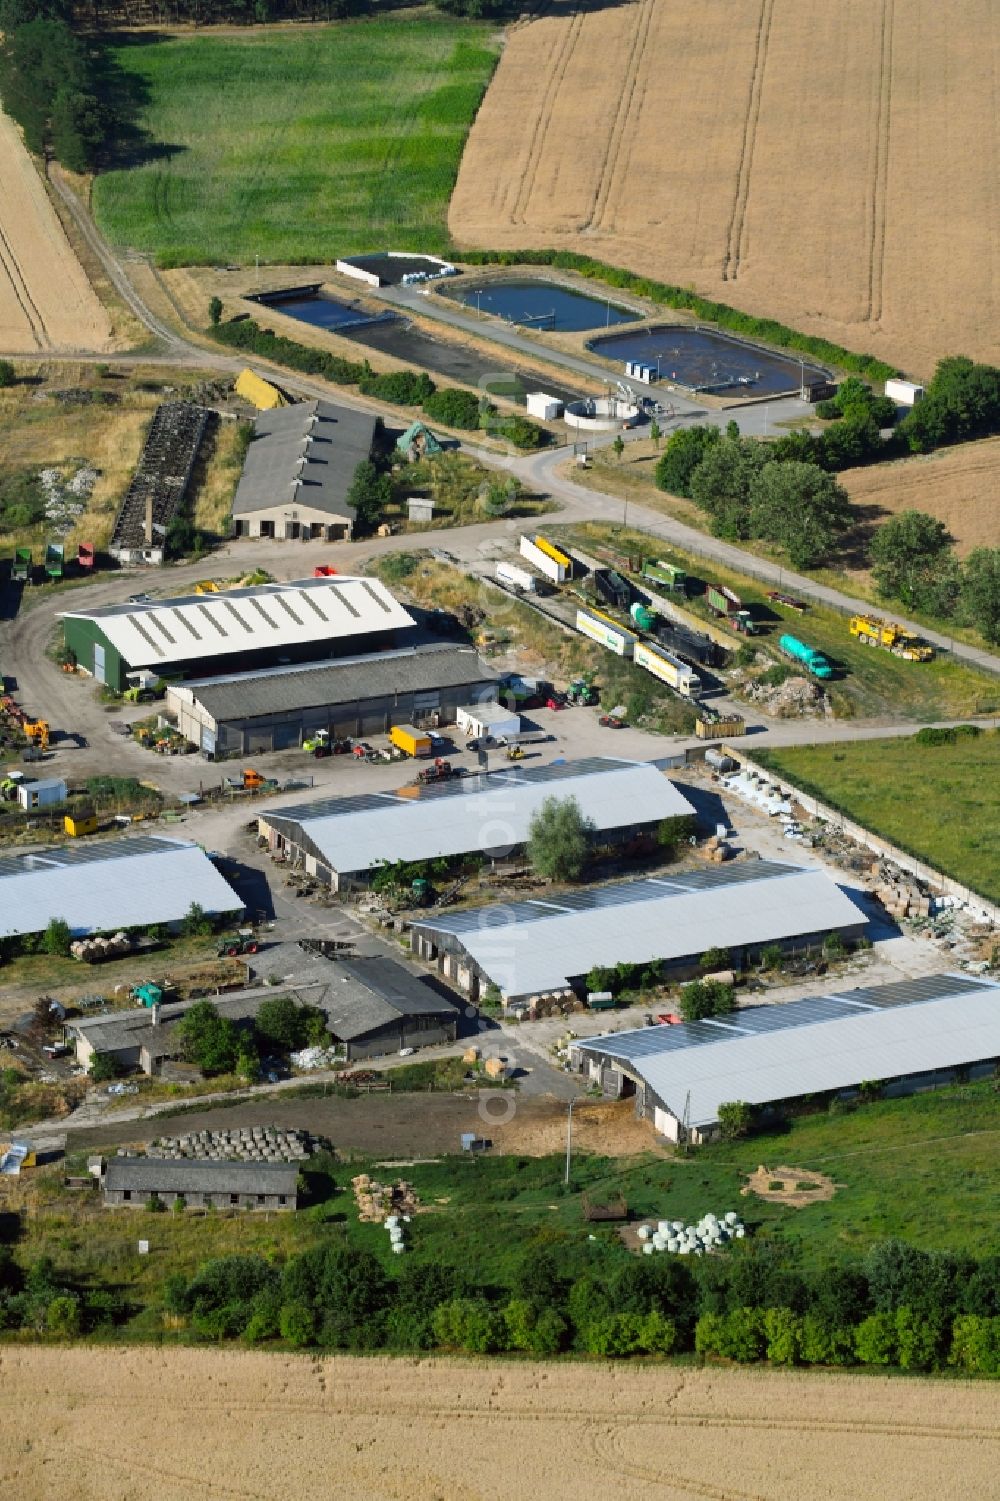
x=52 y=82
x=896 y=1306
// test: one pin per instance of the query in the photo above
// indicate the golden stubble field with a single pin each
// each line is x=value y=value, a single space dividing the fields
x=834 y=166
x=957 y=485
x=152 y=1425
x=46 y=302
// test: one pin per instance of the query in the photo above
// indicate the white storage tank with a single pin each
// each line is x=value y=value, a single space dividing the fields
x=546 y=408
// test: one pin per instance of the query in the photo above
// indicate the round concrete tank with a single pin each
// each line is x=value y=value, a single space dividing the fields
x=605 y=414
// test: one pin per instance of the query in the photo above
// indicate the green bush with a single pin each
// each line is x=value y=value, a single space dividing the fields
x=403 y=388
x=454 y=408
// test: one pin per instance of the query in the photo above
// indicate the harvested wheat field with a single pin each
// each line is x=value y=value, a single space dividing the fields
x=957 y=485
x=172 y=1425
x=46 y=301
x=832 y=166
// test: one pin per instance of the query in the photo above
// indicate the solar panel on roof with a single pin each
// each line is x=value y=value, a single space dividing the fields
x=340 y=595
x=156 y=619
x=187 y=624
x=153 y=645
x=376 y=596
x=261 y=611
x=212 y=620
x=237 y=616
x=730 y=875
x=926 y=988
x=308 y=599
x=283 y=602
x=82 y=854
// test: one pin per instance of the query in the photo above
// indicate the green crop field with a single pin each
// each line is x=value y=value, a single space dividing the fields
x=297 y=146
x=939 y=802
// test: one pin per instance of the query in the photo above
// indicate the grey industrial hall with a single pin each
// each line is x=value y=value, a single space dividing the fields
x=276 y=709
x=134 y=1181
x=298 y=470
x=547 y=946
x=374 y=1006
x=909 y=1035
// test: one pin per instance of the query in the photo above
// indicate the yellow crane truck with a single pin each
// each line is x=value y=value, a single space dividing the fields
x=890 y=637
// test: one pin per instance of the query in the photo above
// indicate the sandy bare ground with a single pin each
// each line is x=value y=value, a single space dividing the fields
x=833 y=166
x=957 y=485
x=46 y=301
x=172 y=1426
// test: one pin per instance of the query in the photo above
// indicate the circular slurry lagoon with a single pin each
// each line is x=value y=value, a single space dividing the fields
x=703 y=360
x=531 y=303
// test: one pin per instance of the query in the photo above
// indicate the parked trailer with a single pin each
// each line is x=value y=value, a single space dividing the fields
x=86 y=556
x=412 y=741
x=516 y=578
x=698 y=649
x=54 y=560
x=552 y=568
x=667 y=574
x=612 y=588
x=679 y=615
x=727 y=603
x=624 y=562
x=811 y=659
x=606 y=632
x=670 y=670
x=21 y=568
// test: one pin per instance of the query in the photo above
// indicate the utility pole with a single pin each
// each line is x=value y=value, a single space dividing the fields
x=569 y=1140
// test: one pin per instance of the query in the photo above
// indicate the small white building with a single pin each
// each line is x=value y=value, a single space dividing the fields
x=488 y=719
x=44 y=793
x=906 y=392
x=546 y=408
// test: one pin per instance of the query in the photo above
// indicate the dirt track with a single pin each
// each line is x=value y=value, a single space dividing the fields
x=150 y=1425
x=46 y=301
x=833 y=166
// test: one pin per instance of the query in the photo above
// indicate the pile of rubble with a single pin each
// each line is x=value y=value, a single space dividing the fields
x=246 y=1144
x=377 y=1201
x=795 y=698
x=900 y=895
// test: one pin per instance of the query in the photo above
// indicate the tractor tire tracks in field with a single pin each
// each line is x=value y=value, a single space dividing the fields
x=640 y=60
x=736 y=232
x=536 y=145
x=12 y=271
x=878 y=212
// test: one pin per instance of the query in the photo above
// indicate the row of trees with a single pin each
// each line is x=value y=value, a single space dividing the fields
x=753 y=489
x=53 y=82
x=913 y=561
x=895 y=1306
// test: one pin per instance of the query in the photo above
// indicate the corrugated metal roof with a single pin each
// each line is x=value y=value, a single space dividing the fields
x=366 y=994
x=348 y=680
x=304 y=455
x=530 y=947
x=490 y=813
x=123 y=883
x=825 y=1043
x=153 y=1174
x=157 y=632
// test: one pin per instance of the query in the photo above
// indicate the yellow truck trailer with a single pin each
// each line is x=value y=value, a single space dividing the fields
x=891 y=638
x=411 y=740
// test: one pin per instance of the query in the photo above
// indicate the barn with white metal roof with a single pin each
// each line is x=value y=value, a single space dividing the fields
x=343 y=840
x=547 y=945
x=235 y=629
x=120 y=883
x=909 y=1035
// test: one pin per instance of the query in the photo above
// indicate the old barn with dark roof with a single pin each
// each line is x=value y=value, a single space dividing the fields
x=298 y=470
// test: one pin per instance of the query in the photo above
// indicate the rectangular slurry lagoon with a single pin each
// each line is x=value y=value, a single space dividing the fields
x=310 y=304
x=546 y=305
x=704 y=360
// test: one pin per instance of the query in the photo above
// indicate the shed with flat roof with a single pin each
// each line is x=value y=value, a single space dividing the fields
x=547 y=946
x=343 y=840
x=910 y=1035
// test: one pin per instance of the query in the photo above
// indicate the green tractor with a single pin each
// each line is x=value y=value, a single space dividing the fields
x=233 y=944
x=582 y=690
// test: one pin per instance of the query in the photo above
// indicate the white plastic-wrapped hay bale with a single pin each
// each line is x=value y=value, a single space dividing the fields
x=648 y=1248
x=644 y=1232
